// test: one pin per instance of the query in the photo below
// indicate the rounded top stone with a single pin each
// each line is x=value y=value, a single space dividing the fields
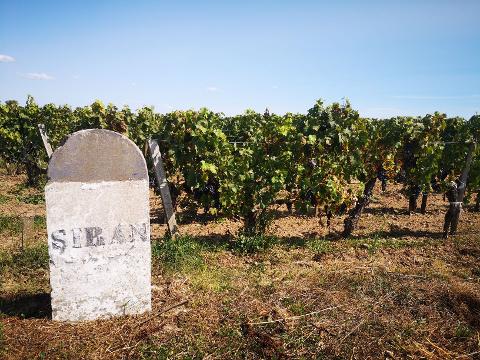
x=97 y=155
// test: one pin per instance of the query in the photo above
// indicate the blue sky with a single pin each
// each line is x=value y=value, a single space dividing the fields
x=388 y=57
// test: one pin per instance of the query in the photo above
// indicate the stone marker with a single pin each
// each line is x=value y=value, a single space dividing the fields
x=98 y=227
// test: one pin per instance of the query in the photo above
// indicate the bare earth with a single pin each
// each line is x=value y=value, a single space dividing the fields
x=395 y=290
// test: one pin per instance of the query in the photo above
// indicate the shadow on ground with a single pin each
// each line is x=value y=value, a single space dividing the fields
x=27 y=306
x=398 y=233
x=215 y=242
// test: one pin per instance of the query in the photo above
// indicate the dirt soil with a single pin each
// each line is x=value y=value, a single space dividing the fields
x=395 y=290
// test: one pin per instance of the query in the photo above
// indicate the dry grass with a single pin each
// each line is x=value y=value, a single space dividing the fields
x=396 y=290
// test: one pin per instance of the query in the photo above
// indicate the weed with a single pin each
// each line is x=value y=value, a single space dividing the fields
x=10 y=224
x=3 y=199
x=40 y=222
x=35 y=257
x=182 y=253
x=24 y=271
x=24 y=194
x=288 y=301
x=257 y=267
x=34 y=199
x=463 y=331
x=228 y=331
x=320 y=246
x=407 y=332
x=354 y=282
x=13 y=225
x=376 y=243
x=211 y=279
x=380 y=285
x=297 y=308
x=248 y=244
x=151 y=351
x=440 y=269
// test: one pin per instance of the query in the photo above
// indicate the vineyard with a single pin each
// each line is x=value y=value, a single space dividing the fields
x=325 y=162
x=305 y=236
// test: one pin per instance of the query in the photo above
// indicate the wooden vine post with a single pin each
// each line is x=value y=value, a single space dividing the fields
x=46 y=143
x=455 y=196
x=27 y=222
x=162 y=182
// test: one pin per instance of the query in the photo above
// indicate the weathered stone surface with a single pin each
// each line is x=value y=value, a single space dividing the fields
x=97 y=155
x=99 y=228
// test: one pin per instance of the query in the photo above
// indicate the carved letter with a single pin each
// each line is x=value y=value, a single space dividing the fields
x=93 y=236
x=118 y=235
x=139 y=231
x=77 y=235
x=59 y=240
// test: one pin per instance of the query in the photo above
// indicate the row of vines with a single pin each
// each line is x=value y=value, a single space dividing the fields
x=326 y=161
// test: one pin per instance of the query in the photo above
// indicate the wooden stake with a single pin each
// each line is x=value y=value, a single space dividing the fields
x=46 y=143
x=163 y=186
x=27 y=230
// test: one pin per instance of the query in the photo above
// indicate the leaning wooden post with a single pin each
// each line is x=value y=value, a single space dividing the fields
x=46 y=143
x=163 y=186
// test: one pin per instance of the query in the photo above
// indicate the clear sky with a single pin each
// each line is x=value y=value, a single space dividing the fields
x=390 y=57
